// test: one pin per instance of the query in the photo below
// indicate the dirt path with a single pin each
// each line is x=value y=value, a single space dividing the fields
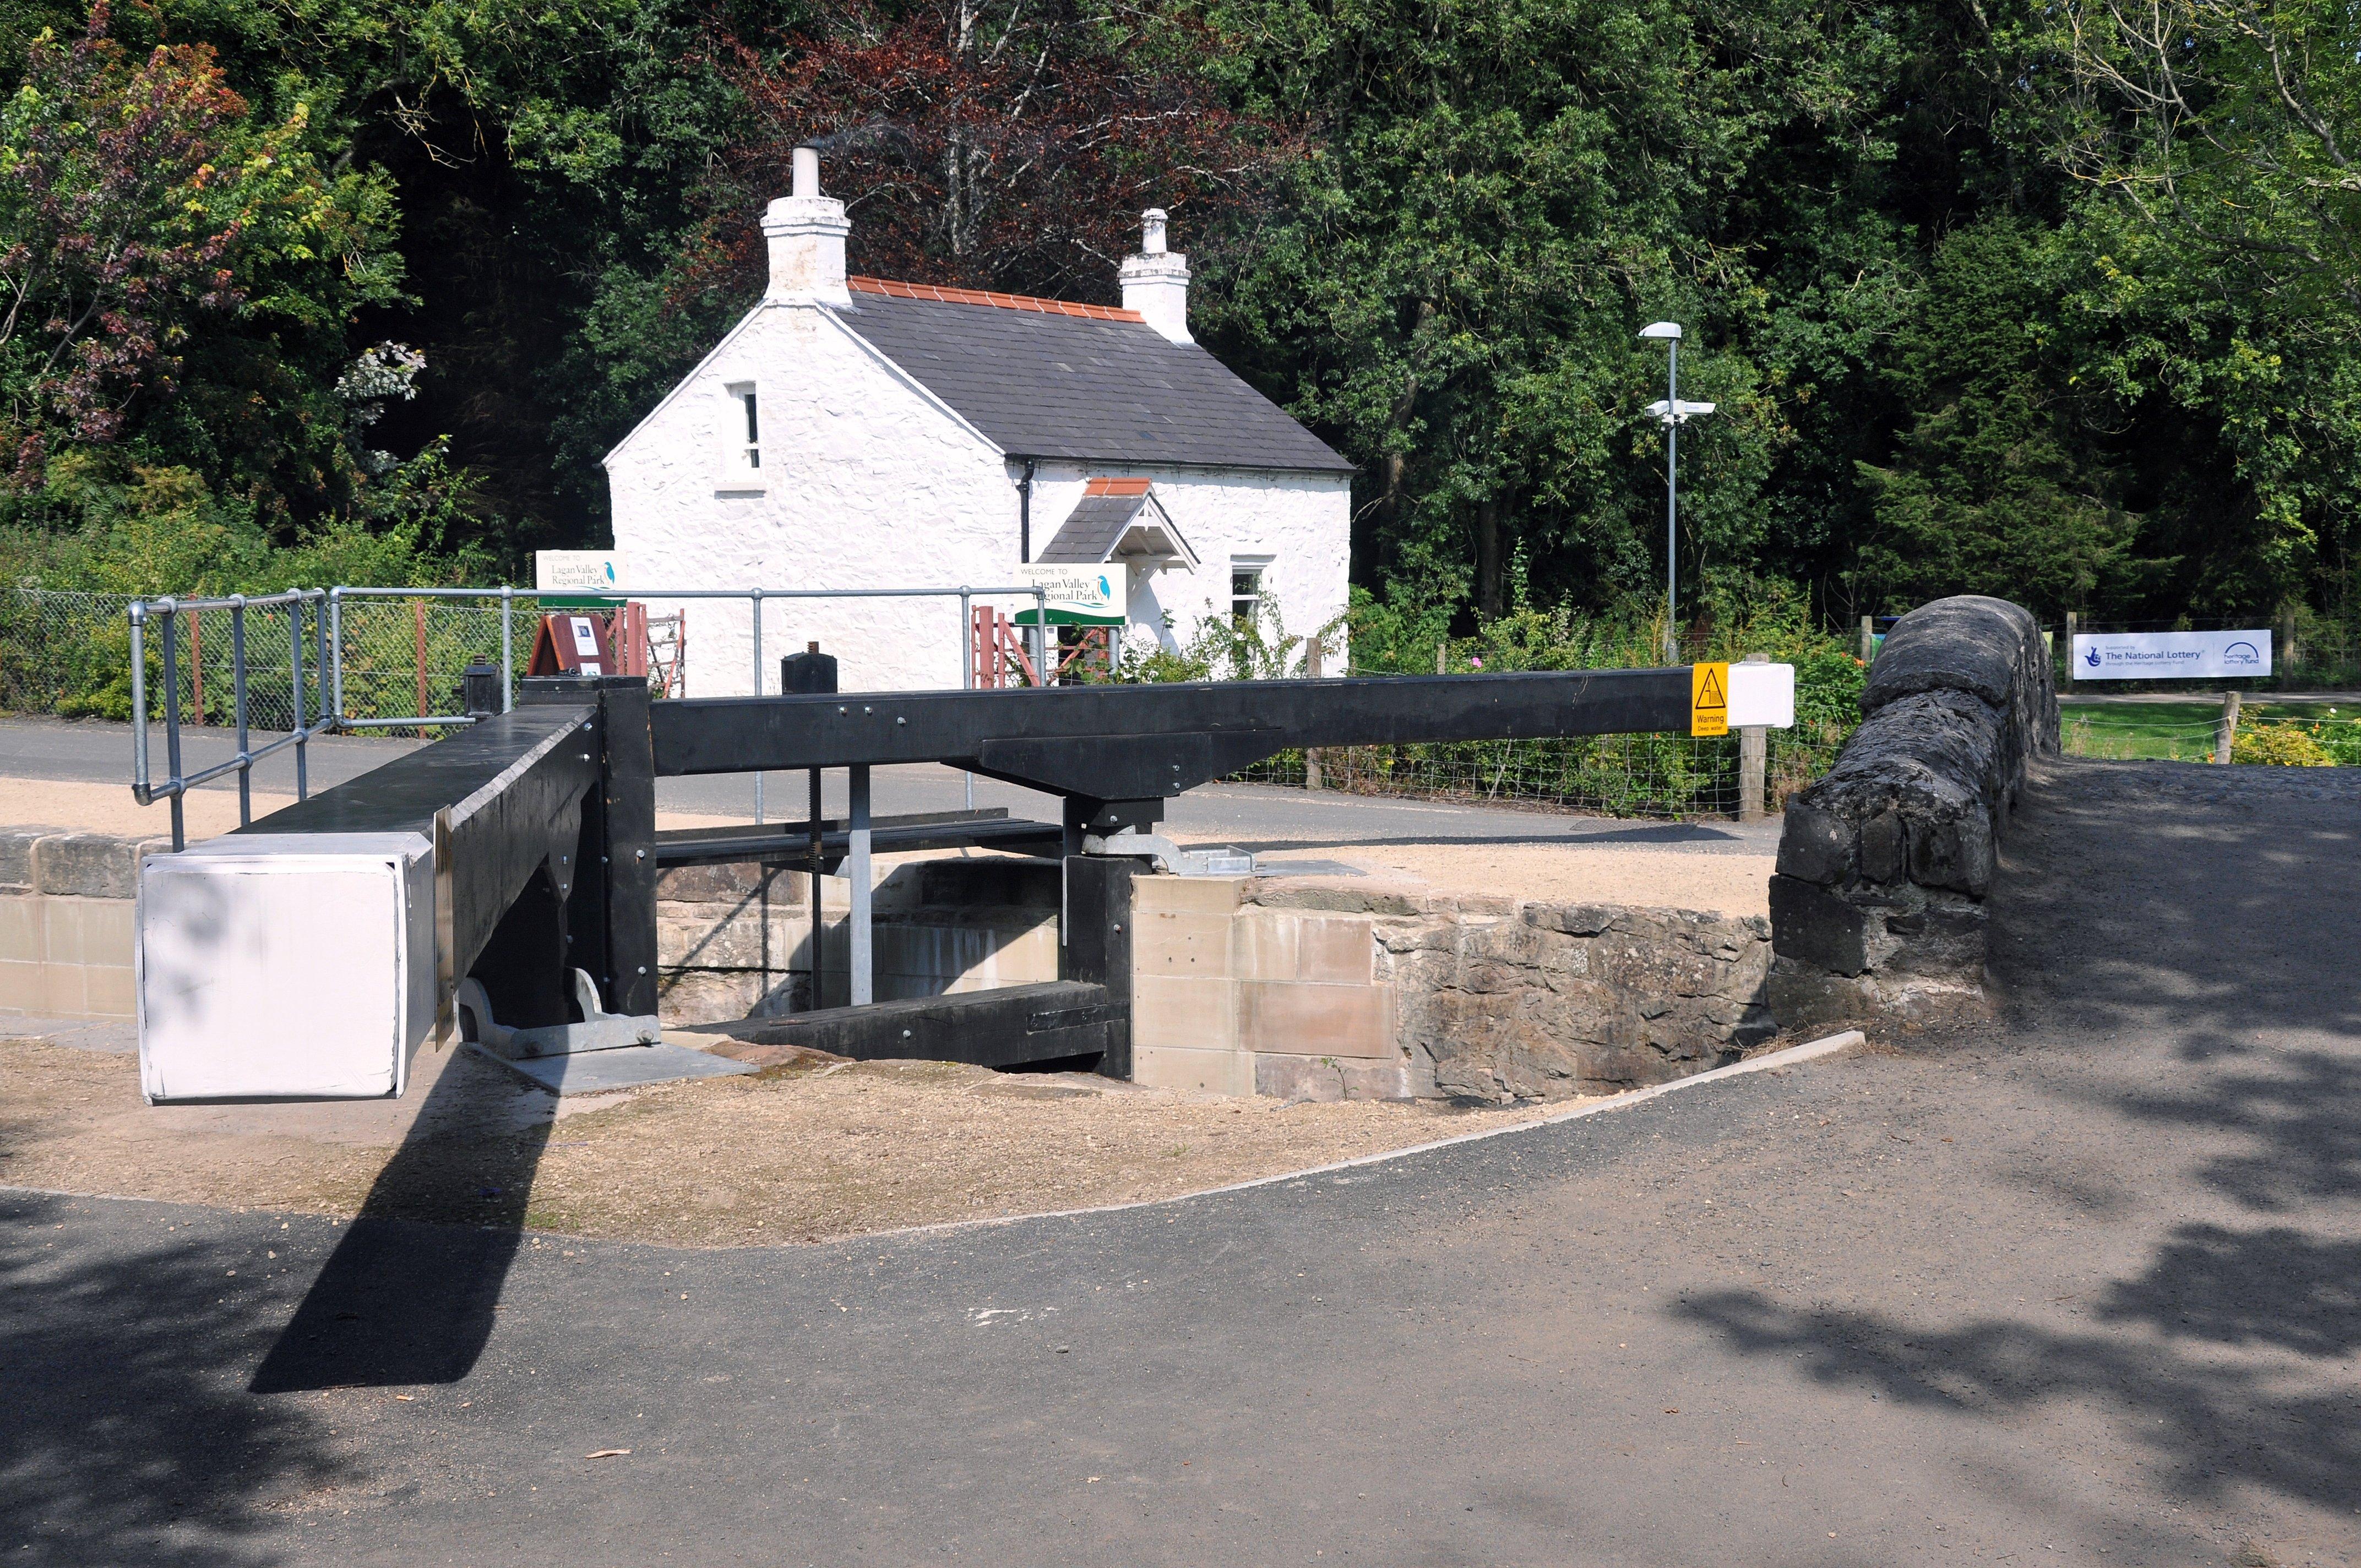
x=807 y=1152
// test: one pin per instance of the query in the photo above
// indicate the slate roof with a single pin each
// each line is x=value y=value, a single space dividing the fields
x=1087 y=536
x=1097 y=526
x=1091 y=384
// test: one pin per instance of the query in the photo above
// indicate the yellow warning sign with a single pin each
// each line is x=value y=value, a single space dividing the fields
x=1709 y=699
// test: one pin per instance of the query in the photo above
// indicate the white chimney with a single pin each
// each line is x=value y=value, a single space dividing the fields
x=1156 y=281
x=806 y=231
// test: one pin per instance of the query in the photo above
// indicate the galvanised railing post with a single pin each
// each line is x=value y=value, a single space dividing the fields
x=757 y=599
x=237 y=705
x=967 y=671
x=508 y=648
x=336 y=655
x=320 y=661
x=137 y=610
x=295 y=693
x=172 y=717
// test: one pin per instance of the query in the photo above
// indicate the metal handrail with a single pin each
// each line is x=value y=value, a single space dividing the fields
x=329 y=669
x=143 y=787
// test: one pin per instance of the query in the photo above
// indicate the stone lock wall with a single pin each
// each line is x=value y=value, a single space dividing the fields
x=734 y=942
x=1327 y=989
x=66 y=904
x=1884 y=863
x=1553 y=999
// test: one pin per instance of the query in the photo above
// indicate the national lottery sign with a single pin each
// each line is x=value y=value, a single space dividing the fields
x=2171 y=655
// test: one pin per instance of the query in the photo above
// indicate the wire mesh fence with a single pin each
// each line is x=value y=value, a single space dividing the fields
x=1607 y=776
x=407 y=658
x=67 y=655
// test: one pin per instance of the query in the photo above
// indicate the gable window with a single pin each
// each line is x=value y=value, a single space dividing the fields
x=745 y=431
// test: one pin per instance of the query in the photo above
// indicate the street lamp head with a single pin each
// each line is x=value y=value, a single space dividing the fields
x=1668 y=330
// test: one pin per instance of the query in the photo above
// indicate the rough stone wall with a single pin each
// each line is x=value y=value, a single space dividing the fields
x=1335 y=989
x=1884 y=863
x=1557 y=1000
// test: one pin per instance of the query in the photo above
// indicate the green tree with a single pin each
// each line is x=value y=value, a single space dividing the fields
x=2001 y=485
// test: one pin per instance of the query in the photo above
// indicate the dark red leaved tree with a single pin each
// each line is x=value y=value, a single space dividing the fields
x=1010 y=146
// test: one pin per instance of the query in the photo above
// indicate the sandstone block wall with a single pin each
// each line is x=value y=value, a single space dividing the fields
x=66 y=904
x=1884 y=863
x=1329 y=989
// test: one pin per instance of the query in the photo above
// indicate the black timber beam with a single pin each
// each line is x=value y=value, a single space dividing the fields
x=506 y=793
x=789 y=843
x=1016 y=1025
x=611 y=908
x=1146 y=742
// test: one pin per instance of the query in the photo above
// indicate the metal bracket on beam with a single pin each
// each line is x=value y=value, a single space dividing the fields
x=598 y=1031
x=1169 y=856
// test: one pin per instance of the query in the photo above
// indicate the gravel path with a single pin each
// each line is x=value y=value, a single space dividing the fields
x=2073 y=1286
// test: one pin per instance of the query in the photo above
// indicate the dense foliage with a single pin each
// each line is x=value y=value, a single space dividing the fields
x=2057 y=301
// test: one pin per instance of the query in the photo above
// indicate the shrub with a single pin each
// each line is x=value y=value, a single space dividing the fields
x=2285 y=745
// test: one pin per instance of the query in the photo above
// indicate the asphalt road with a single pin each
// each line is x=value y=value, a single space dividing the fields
x=2073 y=1286
x=1259 y=817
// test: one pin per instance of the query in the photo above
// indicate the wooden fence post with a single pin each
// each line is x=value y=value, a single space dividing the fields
x=1311 y=753
x=2225 y=734
x=1753 y=759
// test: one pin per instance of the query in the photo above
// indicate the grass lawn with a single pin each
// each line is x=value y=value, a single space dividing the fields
x=2174 y=731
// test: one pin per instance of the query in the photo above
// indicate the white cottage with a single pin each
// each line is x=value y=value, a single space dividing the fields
x=852 y=432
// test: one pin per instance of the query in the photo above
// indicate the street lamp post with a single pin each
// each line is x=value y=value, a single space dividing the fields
x=1673 y=413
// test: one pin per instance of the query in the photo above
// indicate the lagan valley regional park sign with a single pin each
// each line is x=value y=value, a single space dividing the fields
x=2171 y=655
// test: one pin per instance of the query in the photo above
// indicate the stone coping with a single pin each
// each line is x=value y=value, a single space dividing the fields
x=64 y=863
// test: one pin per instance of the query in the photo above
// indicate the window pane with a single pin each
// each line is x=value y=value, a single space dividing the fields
x=754 y=430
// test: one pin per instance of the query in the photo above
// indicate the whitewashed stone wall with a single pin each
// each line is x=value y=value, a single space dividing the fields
x=868 y=481
x=1301 y=523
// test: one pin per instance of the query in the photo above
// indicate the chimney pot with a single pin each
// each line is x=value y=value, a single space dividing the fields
x=805 y=232
x=1156 y=281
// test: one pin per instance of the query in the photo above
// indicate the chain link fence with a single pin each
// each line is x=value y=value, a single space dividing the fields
x=406 y=658
x=1607 y=775
x=67 y=655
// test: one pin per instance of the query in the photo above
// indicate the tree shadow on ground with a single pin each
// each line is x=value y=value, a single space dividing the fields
x=2210 y=1423
x=409 y=1294
x=137 y=1445
x=2301 y=1111
x=2174 y=946
x=2210 y=906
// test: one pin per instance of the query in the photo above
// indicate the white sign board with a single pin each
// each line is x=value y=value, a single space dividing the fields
x=579 y=571
x=1762 y=694
x=2171 y=655
x=1077 y=589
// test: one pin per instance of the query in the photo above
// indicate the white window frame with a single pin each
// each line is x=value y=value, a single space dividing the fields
x=742 y=437
x=1259 y=566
